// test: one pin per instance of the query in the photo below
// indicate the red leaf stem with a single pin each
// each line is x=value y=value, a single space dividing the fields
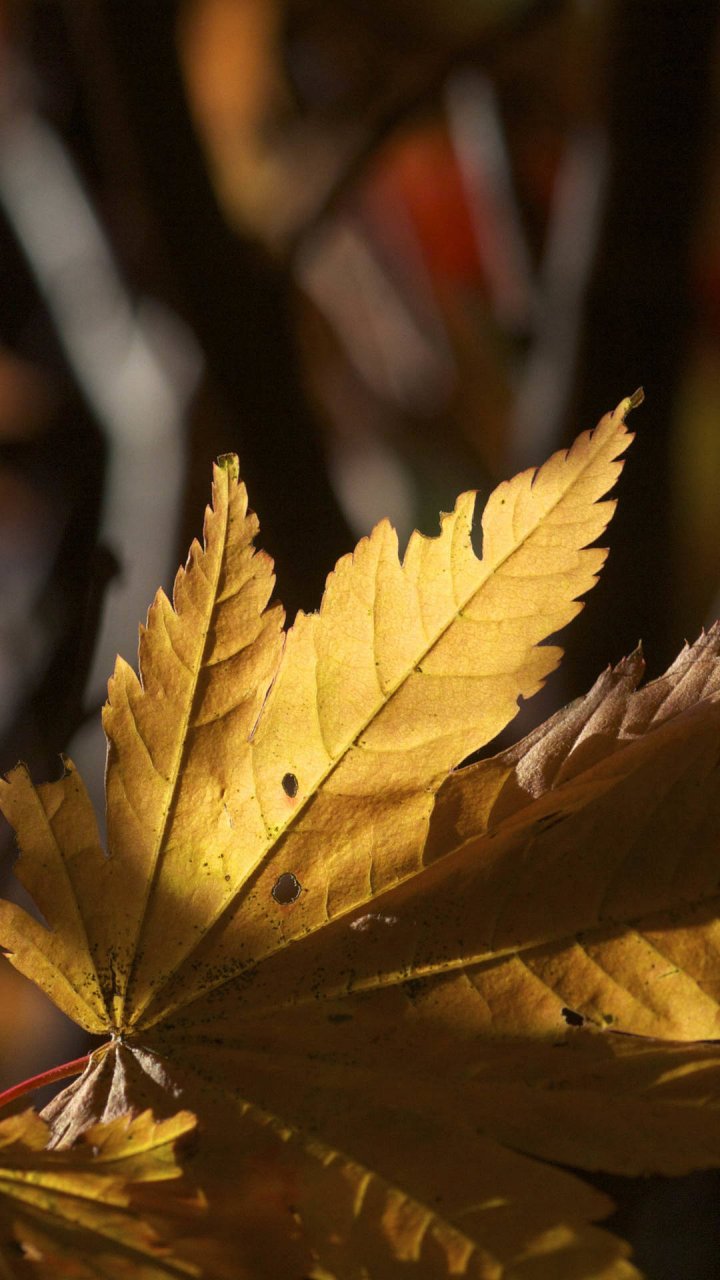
x=73 y=1068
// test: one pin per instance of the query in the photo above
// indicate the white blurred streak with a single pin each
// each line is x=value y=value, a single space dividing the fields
x=478 y=140
x=370 y=481
x=575 y=219
x=137 y=367
x=24 y=555
x=402 y=358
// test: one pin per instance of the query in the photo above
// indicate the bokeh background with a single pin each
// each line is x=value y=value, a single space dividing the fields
x=385 y=250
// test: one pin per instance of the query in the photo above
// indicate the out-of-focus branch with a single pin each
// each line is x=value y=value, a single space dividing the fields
x=238 y=303
x=638 y=307
x=408 y=97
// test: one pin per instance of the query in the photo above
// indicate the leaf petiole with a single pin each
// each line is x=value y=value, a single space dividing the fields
x=66 y=1069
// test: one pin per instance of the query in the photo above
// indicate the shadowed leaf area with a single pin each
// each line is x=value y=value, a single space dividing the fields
x=391 y=989
x=81 y=1212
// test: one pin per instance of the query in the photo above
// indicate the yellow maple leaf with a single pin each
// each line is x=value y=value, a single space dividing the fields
x=74 y=1213
x=288 y=919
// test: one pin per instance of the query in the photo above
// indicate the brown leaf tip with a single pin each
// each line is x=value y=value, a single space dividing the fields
x=636 y=399
x=229 y=462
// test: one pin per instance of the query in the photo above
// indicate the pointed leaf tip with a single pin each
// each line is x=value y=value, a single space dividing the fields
x=230 y=462
x=635 y=400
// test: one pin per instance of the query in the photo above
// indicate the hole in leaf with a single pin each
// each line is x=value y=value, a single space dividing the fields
x=290 y=785
x=287 y=889
x=572 y=1018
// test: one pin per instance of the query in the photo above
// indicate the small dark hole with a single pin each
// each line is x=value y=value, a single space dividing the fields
x=286 y=889
x=290 y=785
x=572 y=1018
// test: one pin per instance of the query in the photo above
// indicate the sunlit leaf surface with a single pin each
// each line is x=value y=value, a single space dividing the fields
x=391 y=991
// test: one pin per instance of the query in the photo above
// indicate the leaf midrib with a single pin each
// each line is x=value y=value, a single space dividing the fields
x=221 y=536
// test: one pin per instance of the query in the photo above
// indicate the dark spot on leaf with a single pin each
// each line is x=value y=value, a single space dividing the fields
x=608 y=1018
x=290 y=785
x=412 y=987
x=339 y=1017
x=572 y=1018
x=550 y=820
x=287 y=889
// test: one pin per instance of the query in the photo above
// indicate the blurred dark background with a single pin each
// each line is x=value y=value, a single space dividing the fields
x=385 y=250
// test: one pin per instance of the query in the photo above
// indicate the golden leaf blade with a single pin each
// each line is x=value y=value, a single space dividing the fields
x=641 y=1108
x=586 y=1099
x=439 y=648
x=385 y=1003
x=248 y=1180
x=613 y=713
x=653 y=971
x=73 y=1212
x=405 y=670
x=558 y=905
x=62 y=865
x=364 y=1225
x=204 y=667
x=235 y=769
x=370 y=1173
x=471 y=1209
x=178 y=741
